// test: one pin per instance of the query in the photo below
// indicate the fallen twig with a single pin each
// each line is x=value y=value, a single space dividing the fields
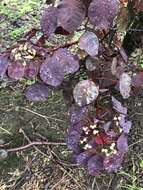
x=139 y=141
x=43 y=116
x=35 y=144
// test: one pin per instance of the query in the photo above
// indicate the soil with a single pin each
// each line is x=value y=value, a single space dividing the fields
x=50 y=167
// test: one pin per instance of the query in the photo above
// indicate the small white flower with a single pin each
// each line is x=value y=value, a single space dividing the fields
x=115 y=152
x=112 y=147
x=95 y=132
x=105 y=150
x=93 y=126
x=117 y=123
x=85 y=128
x=115 y=118
x=120 y=130
x=87 y=146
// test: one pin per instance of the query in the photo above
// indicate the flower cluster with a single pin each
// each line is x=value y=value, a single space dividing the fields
x=20 y=61
x=98 y=144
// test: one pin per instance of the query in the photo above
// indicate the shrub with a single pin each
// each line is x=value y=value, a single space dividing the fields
x=99 y=128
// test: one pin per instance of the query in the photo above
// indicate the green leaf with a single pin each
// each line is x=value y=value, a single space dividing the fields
x=141 y=164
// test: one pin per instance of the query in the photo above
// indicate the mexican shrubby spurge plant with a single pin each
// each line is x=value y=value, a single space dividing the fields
x=99 y=127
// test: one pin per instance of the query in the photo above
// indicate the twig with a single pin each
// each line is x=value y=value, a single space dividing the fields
x=55 y=156
x=93 y=184
x=4 y=145
x=61 y=162
x=110 y=183
x=6 y=131
x=27 y=138
x=55 y=185
x=106 y=78
x=70 y=175
x=141 y=140
x=140 y=114
x=34 y=143
x=40 y=115
x=31 y=33
x=24 y=175
x=96 y=184
x=65 y=45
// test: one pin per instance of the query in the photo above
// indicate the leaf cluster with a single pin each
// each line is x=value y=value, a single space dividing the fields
x=99 y=126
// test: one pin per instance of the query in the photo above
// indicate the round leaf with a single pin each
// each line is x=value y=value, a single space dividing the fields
x=51 y=72
x=37 y=92
x=71 y=13
x=102 y=13
x=69 y=62
x=85 y=92
x=49 y=21
x=89 y=42
x=16 y=71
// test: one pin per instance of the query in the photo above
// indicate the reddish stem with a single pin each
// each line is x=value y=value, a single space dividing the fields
x=64 y=45
x=106 y=78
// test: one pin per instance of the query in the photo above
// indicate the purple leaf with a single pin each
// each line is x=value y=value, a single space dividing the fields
x=77 y=114
x=49 y=21
x=118 y=106
x=92 y=63
x=71 y=13
x=112 y=133
x=37 y=92
x=76 y=127
x=137 y=80
x=31 y=70
x=95 y=165
x=123 y=54
x=93 y=143
x=85 y=92
x=113 y=163
x=3 y=154
x=102 y=13
x=51 y=72
x=4 y=61
x=89 y=42
x=16 y=71
x=82 y=158
x=119 y=71
x=125 y=85
x=106 y=126
x=73 y=139
x=122 y=144
x=125 y=125
x=69 y=62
